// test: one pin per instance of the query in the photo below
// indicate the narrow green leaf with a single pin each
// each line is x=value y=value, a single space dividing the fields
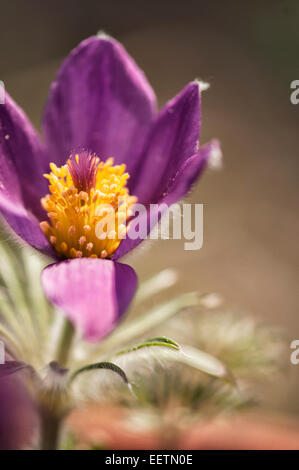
x=7 y=311
x=33 y=265
x=169 y=350
x=10 y=274
x=160 y=281
x=164 y=339
x=161 y=342
x=199 y=360
x=13 y=342
x=101 y=365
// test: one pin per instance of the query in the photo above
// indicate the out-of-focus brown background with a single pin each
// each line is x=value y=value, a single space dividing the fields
x=248 y=51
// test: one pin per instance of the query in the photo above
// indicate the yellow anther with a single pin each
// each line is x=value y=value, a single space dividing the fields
x=83 y=195
x=82 y=240
x=44 y=226
x=63 y=247
x=87 y=228
x=72 y=230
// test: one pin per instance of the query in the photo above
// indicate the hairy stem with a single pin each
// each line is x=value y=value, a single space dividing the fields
x=52 y=408
x=50 y=428
x=65 y=343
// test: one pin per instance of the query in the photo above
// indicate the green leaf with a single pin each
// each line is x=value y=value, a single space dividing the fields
x=33 y=266
x=171 y=351
x=101 y=365
x=10 y=274
x=160 y=341
x=160 y=281
x=164 y=339
x=201 y=361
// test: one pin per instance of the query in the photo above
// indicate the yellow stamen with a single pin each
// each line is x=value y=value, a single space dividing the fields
x=74 y=213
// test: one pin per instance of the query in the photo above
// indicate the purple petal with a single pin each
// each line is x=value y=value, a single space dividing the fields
x=18 y=417
x=11 y=367
x=173 y=139
x=22 y=158
x=179 y=186
x=21 y=180
x=24 y=225
x=93 y=293
x=101 y=102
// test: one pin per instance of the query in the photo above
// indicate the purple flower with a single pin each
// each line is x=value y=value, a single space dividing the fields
x=17 y=414
x=104 y=141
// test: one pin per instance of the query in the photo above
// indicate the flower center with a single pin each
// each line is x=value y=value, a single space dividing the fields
x=88 y=206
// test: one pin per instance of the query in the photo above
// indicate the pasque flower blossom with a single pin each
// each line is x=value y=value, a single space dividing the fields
x=102 y=140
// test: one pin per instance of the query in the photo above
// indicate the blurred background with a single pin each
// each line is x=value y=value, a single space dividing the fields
x=248 y=52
